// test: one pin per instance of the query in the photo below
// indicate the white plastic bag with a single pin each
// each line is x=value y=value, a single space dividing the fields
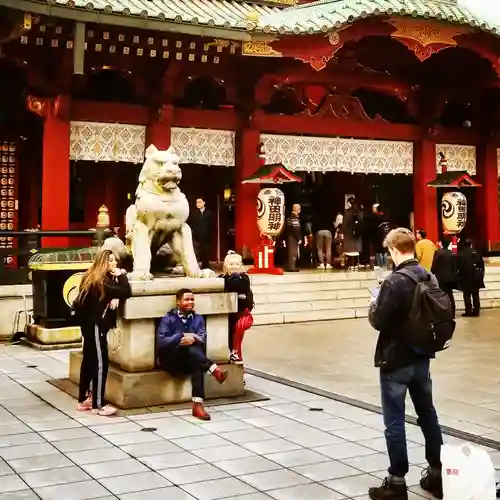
x=468 y=473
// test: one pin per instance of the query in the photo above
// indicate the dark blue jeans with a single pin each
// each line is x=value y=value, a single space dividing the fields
x=416 y=380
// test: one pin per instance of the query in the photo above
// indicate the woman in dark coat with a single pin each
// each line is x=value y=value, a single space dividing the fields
x=470 y=267
x=351 y=228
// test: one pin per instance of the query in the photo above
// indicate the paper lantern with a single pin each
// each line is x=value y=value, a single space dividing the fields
x=271 y=211
x=453 y=212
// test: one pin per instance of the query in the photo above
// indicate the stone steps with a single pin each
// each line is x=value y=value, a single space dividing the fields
x=321 y=296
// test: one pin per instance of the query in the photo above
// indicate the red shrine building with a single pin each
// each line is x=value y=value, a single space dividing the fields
x=355 y=97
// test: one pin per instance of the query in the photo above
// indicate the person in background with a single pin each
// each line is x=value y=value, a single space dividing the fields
x=470 y=266
x=351 y=228
x=323 y=226
x=200 y=222
x=182 y=341
x=293 y=237
x=425 y=250
x=377 y=231
x=236 y=280
x=102 y=287
x=444 y=267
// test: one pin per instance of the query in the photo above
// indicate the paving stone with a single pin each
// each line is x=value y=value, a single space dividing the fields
x=193 y=473
x=73 y=491
x=148 y=449
x=311 y=491
x=219 y=453
x=247 y=465
x=132 y=483
x=94 y=456
x=56 y=476
x=326 y=470
x=83 y=444
x=19 y=495
x=219 y=488
x=172 y=493
x=297 y=457
x=67 y=434
x=12 y=482
x=114 y=468
x=274 y=479
x=20 y=439
x=40 y=463
x=159 y=462
x=200 y=442
x=27 y=451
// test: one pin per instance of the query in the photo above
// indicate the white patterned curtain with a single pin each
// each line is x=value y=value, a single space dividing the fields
x=325 y=154
x=204 y=146
x=459 y=157
x=95 y=141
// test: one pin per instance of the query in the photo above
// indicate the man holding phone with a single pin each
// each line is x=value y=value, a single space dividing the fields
x=181 y=341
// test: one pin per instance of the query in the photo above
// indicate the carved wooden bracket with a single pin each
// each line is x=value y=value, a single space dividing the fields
x=318 y=50
x=37 y=105
x=425 y=37
x=58 y=107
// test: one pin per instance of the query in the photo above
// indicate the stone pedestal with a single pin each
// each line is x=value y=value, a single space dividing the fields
x=133 y=381
x=54 y=336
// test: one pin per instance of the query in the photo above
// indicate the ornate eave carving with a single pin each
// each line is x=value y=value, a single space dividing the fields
x=424 y=37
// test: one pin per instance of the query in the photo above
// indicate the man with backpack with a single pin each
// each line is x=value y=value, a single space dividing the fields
x=415 y=320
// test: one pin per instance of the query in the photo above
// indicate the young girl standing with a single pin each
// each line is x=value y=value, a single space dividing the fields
x=237 y=280
x=102 y=287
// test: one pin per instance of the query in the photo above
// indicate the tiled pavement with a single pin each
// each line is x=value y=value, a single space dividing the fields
x=283 y=448
x=466 y=377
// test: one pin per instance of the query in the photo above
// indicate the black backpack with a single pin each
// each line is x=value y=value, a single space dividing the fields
x=430 y=326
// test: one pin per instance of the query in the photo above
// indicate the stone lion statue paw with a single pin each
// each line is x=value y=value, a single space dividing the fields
x=140 y=276
x=207 y=273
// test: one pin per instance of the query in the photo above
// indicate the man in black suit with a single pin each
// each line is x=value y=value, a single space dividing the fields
x=444 y=267
x=200 y=222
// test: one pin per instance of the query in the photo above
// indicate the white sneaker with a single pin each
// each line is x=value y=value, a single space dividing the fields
x=235 y=359
x=321 y=266
x=329 y=266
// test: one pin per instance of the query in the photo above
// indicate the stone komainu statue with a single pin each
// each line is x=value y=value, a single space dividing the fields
x=157 y=220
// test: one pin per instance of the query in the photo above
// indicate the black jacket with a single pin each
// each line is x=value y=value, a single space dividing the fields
x=293 y=228
x=239 y=283
x=389 y=314
x=470 y=266
x=444 y=267
x=95 y=310
x=201 y=225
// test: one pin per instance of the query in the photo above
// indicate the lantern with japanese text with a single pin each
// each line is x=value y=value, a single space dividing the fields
x=453 y=212
x=271 y=211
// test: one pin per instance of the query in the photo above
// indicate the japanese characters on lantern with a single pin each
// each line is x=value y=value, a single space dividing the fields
x=8 y=182
x=271 y=211
x=453 y=212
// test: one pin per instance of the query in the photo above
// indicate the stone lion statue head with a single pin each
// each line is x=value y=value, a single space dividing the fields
x=161 y=169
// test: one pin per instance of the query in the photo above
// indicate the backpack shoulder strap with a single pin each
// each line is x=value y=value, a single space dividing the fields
x=409 y=274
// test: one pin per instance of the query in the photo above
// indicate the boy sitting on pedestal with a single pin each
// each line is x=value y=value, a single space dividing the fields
x=236 y=280
x=181 y=341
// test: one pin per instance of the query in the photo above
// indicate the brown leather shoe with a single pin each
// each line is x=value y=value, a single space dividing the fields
x=199 y=411
x=220 y=375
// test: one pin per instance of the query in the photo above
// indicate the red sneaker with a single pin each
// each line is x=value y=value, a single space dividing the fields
x=199 y=411
x=220 y=375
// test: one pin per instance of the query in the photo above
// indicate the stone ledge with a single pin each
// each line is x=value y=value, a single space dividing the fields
x=156 y=306
x=158 y=388
x=169 y=286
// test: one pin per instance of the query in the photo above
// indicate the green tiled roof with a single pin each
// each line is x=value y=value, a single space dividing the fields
x=326 y=15
x=195 y=16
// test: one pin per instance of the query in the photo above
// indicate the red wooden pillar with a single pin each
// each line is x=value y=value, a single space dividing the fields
x=247 y=162
x=425 y=198
x=159 y=130
x=56 y=172
x=487 y=195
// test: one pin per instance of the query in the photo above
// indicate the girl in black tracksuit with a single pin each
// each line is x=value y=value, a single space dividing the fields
x=101 y=289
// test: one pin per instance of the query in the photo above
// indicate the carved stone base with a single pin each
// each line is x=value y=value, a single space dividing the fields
x=51 y=336
x=154 y=388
